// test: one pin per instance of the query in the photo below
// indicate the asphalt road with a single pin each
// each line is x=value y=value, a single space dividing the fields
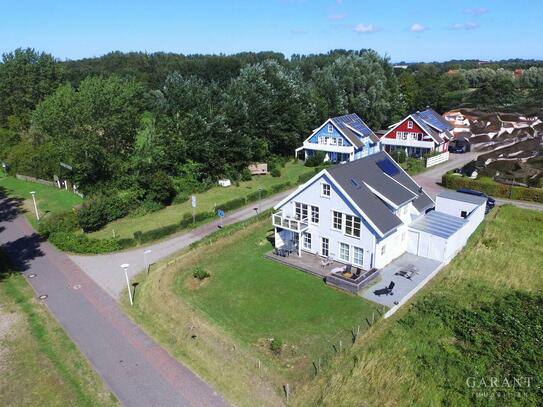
x=136 y=369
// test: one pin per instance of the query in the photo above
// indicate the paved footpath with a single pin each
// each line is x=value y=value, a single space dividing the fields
x=136 y=369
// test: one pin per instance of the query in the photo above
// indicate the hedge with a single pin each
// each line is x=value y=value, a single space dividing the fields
x=492 y=188
x=70 y=242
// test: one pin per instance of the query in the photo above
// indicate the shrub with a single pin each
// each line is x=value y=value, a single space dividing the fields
x=246 y=175
x=398 y=155
x=159 y=187
x=276 y=345
x=316 y=159
x=100 y=212
x=58 y=222
x=70 y=242
x=276 y=172
x=200 y=273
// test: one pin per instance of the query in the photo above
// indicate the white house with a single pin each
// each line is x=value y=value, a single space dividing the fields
x=342 y=138
x=370 y=211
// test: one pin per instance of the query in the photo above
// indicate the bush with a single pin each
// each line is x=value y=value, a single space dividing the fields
x=71 y=242
x=200 y=273
x=100 y=212
x=159 y=188
x=398 y=155
x=492 y=188
x=246 y=175
x=276 y=172
x=58 y=222
x=276 y=345
x=316 y=159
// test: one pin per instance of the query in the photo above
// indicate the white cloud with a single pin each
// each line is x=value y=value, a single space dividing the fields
x=477 y=11
x=417 y=28
x=337 y=17
x=366 y=28
x=464 y=26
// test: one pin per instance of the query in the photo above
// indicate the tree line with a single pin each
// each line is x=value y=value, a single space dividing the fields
x=152 y=126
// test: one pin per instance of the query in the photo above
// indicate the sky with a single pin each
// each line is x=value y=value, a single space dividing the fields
x=405 y=30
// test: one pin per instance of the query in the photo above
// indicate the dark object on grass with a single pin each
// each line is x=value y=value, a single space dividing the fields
x=386 y=290
x=276 y=345
x=200 y=273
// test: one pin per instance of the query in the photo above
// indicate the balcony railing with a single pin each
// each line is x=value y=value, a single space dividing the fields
x=280 y=220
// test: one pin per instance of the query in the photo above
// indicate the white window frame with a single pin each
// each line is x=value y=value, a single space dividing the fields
x=361 y=264
x=340 y=229
x=327 y=246
x=353 y=223
x=343 y=245
x=410 y=124
x=307 y=240
x=329 y=190
x=315 y=210
x=330 y=128
x=302 y=206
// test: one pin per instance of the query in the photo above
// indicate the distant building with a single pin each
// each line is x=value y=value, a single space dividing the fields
x=419 y=133
x=342 y=139
x=459 y=121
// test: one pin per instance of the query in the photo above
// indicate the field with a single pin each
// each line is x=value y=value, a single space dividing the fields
x=206 y=201
x=39 y=365
x=48 y=199
x=480 y=318
x=233 y=314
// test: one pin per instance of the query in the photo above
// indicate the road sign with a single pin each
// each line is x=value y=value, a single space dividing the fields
x=194 y=201
x=220 y=213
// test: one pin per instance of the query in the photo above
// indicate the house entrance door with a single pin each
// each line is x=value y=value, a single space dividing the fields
x=325 y=243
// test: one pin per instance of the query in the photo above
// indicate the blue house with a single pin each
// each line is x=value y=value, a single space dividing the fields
x=342 y=139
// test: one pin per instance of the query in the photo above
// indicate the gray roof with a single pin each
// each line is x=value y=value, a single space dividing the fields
x=458 y=196
x=352 y=137
x=438 y=224
x=361 y=129
x=359 y=177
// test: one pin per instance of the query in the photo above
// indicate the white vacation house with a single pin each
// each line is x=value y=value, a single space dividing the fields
x=368 y=212
x=342 y=139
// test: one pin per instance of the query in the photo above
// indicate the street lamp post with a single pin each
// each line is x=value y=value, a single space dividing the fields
x=33 y=193
x=125 y=269
x=145 y=253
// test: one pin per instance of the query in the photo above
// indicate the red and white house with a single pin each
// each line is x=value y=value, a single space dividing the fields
x=418 y=134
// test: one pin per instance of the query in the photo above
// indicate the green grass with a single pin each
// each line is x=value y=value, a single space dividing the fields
x=39 y=364
x=246 y=301
x=48 y=199
x=206 y=201
x=480 y=317
x=255 y=298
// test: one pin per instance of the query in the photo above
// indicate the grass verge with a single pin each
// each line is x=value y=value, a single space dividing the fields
x=39 y=365
x=480 y=318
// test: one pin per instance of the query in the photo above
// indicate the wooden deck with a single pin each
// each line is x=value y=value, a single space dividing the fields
x=307 y=262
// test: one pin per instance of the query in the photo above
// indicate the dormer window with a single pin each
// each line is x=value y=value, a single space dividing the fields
x=330 y=128
x=409 y=124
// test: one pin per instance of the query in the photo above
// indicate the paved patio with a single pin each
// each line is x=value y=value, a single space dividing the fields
x=403 y=286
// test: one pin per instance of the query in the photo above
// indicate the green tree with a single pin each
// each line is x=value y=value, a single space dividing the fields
x=26 y=78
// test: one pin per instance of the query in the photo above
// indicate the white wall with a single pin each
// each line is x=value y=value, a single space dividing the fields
x=453 y=207
x=395 y=246
x=312 y=196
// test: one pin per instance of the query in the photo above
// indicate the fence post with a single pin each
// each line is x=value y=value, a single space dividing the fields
x=287 y=391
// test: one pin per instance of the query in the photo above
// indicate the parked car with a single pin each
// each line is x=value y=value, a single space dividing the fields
x=490 y=202
x=459 y=146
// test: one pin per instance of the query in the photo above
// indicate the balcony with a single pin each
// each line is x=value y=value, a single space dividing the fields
x=281 y=220
x=328 y=147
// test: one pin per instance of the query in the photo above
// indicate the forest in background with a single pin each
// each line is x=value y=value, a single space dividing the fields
x=153 y=126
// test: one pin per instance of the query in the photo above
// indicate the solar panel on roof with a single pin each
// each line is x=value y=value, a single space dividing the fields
x=355 y=183
x=434 y=121
x=388 y=167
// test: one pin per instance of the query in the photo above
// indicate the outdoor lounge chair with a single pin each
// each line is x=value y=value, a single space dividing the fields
x=405 y=273
x=386 y=290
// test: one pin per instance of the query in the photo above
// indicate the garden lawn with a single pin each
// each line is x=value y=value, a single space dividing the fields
x=255 y=298
x=221 y=326
x=206 y=201
x=480 y=318
x=39 y=365
x=48 y=199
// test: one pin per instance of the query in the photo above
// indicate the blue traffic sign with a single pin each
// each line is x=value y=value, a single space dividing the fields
x=220 y=213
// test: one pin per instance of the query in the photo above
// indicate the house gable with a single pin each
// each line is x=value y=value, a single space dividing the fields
x=323 y=131
x=403 y=126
